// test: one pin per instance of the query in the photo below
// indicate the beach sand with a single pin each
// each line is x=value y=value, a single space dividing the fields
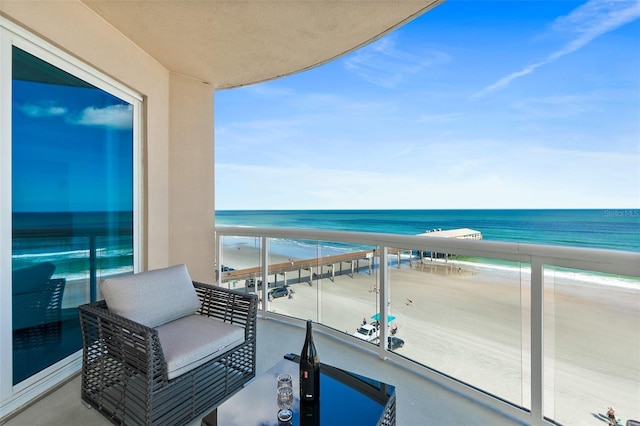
x=474 y=326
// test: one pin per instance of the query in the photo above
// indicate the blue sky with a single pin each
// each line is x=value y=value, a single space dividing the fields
x=475 y=104
x=72 y=149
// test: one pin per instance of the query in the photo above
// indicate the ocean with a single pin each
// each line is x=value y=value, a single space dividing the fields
x=65 y=238
x=614 y=229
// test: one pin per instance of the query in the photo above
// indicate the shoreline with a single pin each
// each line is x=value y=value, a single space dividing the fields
x=566 y=282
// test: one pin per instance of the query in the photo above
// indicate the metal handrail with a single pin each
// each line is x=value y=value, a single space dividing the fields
x=598 y=260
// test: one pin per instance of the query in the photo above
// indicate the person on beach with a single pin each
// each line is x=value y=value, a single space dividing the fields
x=611 y=414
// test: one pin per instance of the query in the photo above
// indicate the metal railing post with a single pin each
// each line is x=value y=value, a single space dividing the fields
x=93 y=269
x=537 y=340
x=264 y=256
x=219 y=255
x=384 y=306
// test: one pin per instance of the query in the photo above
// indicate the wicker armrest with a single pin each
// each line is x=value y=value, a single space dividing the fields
x=231 y=306
x=128 y=342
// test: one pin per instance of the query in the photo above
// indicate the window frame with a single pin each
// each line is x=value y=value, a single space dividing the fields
x=11 y=35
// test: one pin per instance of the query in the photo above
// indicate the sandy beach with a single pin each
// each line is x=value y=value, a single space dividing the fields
x=475 y=326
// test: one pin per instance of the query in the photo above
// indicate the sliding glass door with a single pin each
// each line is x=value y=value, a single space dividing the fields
x=73 y=166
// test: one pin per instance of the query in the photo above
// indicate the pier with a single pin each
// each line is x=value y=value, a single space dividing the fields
x=332 y=263
x=336 y=263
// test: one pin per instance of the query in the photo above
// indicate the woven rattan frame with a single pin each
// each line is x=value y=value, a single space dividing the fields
x=389 y=414
x=45 y=304
x=124 y=373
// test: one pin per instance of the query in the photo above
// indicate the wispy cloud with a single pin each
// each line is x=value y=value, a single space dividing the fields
x=558 y=107
x=584 y=24
x=477 y=182
x=114 y=116
x=506 y=80
x=438 y=118
x=382 y=63
x=593 y=19
x=38 y=111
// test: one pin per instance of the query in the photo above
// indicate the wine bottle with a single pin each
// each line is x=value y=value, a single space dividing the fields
x=309 y=413
x=309 y=369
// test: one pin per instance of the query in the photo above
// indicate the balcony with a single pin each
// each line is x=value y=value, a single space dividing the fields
x=523 y=329
x=494 y=333
x=419 y=399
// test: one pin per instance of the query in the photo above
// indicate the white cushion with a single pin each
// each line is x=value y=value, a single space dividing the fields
x=152 y=298
x=191 y=341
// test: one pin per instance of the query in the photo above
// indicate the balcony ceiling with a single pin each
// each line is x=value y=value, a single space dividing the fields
x=234 y=43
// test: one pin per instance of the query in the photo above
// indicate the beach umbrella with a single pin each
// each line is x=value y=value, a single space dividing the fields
x=376 y=317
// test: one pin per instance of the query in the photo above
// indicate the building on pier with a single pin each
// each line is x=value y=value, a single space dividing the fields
x=461 y=233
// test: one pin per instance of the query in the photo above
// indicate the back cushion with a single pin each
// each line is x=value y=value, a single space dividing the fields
x=32 y=278
x=152 y=298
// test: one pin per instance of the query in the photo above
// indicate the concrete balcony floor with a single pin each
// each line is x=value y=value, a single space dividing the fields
x=419 y=400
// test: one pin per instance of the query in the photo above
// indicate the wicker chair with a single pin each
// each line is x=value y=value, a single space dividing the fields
x=125 y=372
x=37 y=302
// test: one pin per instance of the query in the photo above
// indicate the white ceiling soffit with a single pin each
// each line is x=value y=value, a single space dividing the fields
x=235 y=43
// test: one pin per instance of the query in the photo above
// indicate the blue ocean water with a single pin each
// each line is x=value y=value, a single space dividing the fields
x=66 y=239
x=615 y=229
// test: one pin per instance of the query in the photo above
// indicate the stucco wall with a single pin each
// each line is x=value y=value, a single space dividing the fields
x=191 y=175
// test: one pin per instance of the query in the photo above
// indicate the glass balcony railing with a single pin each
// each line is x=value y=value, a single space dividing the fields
x=58 y=259
x=542 y=333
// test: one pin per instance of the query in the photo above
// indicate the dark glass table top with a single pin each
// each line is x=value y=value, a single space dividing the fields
x=345 y=399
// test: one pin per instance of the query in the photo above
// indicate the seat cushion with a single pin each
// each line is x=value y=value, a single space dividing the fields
x=191 y=341
x=152 y=298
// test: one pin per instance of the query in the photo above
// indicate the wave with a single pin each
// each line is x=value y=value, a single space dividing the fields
x=102 y=274
x=312 y=248
x=560 y=276
x=552 y=275
x=73 y=254
x=74 y=264
x=115 y=260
